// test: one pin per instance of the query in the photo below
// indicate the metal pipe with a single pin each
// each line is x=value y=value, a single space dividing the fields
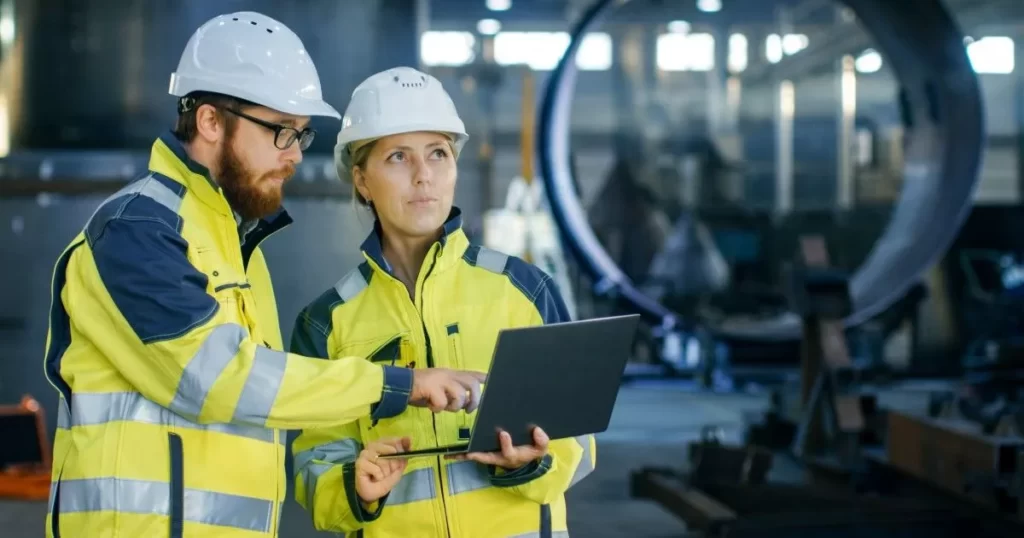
x=785 y=110
x=847 y=82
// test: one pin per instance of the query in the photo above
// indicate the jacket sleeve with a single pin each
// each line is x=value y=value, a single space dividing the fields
x=568 y=460
x=152 y=317
x=325 y=457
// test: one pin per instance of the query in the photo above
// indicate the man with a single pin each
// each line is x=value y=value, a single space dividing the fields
x=163 y=330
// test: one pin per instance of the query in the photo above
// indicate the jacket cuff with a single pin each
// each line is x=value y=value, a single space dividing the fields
x=526 y=473
x=395 y=395
x=355 y=504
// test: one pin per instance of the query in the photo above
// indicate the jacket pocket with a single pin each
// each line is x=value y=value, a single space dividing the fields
x=464 y=421
x=454 y=346
x=177 y=483
x=389 y=352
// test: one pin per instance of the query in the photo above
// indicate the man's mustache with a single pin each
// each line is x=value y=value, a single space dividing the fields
x=285 y=172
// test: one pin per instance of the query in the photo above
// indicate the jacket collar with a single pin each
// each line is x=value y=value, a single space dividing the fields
x=168 y=157
x=448 y=249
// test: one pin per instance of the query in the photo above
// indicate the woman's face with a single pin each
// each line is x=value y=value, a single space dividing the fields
x=410 y=179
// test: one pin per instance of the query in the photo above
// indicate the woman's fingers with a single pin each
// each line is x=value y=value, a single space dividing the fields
x=367 y=467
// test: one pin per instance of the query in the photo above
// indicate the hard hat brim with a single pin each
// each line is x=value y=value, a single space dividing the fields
x=184 y=85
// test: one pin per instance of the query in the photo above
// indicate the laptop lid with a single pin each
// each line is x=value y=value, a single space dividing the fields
x=563 y=377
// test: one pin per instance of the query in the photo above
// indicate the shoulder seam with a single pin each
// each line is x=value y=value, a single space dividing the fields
x=131 y=197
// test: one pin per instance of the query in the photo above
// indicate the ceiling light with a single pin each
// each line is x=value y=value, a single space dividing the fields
x=499 y=5
x=679 y=27
x=488 y=26
x=709 y=6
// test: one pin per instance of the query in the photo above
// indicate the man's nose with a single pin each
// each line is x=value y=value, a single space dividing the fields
x=293 y=154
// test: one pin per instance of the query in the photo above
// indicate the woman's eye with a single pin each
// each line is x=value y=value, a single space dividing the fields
x=440 y=153
x=396 y=156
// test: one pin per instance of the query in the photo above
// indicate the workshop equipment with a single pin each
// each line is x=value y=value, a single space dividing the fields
x=773 y=510
x=957 y=456
x=832 y=420
x=25 y=455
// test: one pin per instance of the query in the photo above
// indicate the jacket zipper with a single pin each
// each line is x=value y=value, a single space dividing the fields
x=433 y=417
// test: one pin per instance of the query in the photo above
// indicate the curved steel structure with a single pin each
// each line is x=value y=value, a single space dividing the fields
x=945 y=135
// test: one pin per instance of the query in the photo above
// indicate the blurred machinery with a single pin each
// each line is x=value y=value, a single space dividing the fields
x=696 y=263
x=524 y=227
x=25 y=456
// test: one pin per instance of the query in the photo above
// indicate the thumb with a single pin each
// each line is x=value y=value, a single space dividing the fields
x=540 y=438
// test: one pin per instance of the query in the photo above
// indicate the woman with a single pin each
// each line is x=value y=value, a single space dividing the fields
x=424 y=297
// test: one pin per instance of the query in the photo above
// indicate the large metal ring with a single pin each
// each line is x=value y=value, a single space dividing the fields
x=942 y=158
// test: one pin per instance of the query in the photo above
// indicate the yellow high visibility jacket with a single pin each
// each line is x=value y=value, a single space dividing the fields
x=165 y=347
x=465 y=295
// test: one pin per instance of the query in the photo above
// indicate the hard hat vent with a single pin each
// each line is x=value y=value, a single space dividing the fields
x=254 y=23
x=421 y=83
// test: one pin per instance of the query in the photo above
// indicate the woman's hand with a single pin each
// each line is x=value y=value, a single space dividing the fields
x=376 y=477
x=511 y=457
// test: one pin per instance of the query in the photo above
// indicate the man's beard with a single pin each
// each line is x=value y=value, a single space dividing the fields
x=242 y=188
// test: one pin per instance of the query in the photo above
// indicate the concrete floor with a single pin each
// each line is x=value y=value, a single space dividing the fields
x=651 y=425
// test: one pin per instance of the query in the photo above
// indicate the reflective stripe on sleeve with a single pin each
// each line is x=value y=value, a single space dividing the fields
x=202 y=371
x=95 y=408
x=585 y=466
x=261 y=387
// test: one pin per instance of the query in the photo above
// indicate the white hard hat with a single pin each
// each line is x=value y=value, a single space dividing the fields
x=399 y=100
x=252 y=57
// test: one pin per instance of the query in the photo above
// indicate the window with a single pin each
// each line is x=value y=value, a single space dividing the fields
x=685 y=52
x=992 y=55
x=870 y=61
x=737 y=53
x=595 y=52
x=542 y=51
x=776 y=46
x=447 y=48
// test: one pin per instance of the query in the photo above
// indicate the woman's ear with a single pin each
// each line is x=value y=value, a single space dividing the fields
x=359 y=180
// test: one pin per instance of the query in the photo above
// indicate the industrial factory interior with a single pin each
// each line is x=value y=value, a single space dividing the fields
x=732 y=268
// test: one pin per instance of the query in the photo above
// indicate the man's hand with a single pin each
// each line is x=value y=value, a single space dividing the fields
x=442 y=389
x=511 y=457
x=376 y=477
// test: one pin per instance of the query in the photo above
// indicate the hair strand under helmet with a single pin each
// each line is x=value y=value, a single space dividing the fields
x=395 y=101
x=253 y=57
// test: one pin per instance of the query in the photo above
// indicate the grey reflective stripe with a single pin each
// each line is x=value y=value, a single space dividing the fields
x=492 y=260
x=202 y=371
x=95 y=408
x=350 y=285
x=414 y=486
x=150 y=188
x=53 y=496
x=585 y=467
x=466 y=476
x=160 y=193
x=556 y=534
x=341 y=451
x=307 y=464
x=148 y=497
x=261 y=387
x=311 y=474
x=63 y=415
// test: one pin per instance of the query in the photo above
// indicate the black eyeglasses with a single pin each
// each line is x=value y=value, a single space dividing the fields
x=284 y=136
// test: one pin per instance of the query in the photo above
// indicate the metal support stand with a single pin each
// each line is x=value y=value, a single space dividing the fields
x=832 y=421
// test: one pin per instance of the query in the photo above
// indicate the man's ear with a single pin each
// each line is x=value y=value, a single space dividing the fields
x=209 y=123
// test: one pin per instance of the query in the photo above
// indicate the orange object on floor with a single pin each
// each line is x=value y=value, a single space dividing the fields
x=28 y=481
